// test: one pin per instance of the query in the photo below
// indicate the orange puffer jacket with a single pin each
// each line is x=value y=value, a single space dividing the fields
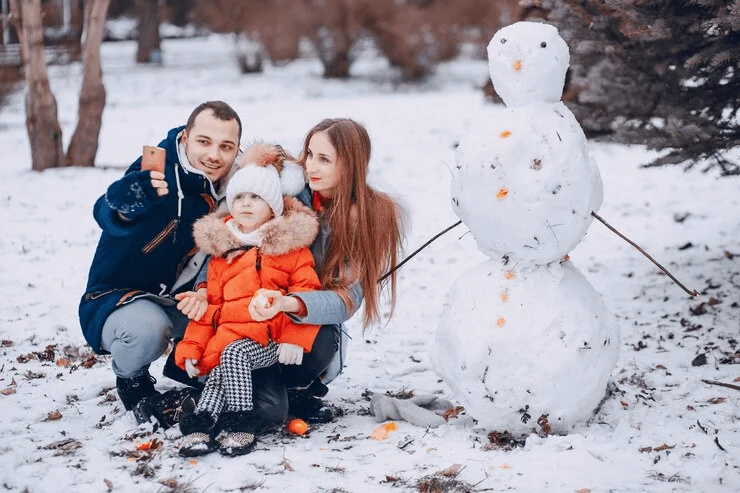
x=282 y=261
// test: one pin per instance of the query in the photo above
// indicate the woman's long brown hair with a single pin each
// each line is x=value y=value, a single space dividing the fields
x=366 y=225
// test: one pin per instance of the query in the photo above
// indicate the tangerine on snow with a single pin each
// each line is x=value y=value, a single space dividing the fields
x=297 y=426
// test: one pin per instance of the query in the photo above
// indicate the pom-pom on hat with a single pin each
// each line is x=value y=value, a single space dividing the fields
x=263 y=170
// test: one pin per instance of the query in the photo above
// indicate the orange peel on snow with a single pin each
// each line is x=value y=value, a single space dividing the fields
x=510 y=275
x=501 y=322
x=502 y=193
x=517 y=65
x=382 y=432
x=504 y=297
x=504 y=134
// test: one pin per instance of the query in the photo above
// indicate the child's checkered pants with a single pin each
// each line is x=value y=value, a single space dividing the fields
x=229 y=385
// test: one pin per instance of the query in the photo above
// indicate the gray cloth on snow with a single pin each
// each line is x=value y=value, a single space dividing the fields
x=420 y=410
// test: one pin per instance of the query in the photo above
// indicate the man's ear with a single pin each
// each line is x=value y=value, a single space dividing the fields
x=184 y=138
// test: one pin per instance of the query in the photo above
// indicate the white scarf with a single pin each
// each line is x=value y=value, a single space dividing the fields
x=251 y=239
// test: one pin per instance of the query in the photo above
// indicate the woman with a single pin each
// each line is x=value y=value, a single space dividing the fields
x=359 y=240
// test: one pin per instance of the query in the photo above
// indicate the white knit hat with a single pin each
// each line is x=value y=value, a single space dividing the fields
x=259 y=180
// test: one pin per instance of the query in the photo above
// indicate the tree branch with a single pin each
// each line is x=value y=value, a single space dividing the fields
x=614 y=230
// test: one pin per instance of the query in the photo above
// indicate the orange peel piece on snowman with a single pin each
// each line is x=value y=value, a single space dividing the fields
x=500 y=322
x=504 y=134
x=502 y=193
x=517 y=65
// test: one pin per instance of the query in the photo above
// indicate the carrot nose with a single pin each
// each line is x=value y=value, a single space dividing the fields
x=517 y=65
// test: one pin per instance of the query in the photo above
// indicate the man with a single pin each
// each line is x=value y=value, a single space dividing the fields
x=146 y=254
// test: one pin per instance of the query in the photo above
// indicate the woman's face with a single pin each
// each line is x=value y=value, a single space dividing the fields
x=322 y=166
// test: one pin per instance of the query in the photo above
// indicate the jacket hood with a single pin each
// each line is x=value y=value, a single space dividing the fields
x=295 y=229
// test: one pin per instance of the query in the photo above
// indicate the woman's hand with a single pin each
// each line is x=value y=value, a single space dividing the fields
x=193 y=304
x=265 y=304
x=193 y=372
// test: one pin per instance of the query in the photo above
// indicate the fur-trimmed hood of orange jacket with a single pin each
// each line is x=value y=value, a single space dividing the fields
x=282 y=261
x=295 y=229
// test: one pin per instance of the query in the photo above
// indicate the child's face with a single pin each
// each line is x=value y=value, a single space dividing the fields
x=250 y=211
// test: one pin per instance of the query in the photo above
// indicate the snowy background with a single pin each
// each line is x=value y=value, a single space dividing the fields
x=661 y=430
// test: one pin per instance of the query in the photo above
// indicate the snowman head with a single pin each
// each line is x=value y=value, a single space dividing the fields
x=527 y=62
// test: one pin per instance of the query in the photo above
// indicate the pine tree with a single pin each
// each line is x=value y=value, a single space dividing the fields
x=664 y=73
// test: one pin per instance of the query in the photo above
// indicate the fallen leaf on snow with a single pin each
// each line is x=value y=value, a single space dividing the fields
x=8 y=391
x=544 y=424
x=6 y=343
x=452 y=413
x=53 y=416
x=452 y=471
x=108 y=484
x=624 y=404
x=665 y=446
x=286 y=466
x=147 y=445
x=30 y=375
x=62 y=362
x=89 y=362
x=169 y=482
x=717 y=400
x=584 y=490
x=63 y=447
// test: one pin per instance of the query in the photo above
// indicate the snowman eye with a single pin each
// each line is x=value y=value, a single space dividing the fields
x=543 y=44
x=503 y=41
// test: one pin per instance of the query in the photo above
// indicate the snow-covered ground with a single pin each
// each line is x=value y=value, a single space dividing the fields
x=662 y=429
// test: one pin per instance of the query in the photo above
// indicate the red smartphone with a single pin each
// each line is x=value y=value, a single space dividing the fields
x=152 y=159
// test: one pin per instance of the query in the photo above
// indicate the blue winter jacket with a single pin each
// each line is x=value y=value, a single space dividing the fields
x=144 y=257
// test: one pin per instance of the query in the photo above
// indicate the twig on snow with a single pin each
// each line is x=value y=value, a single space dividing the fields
x=614 y=230
x=722 y=384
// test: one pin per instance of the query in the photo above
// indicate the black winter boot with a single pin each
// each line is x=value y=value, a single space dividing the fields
x=238 y=432
x=302 y=404
x=133 y=390
x=168 y=408
x=198 y=431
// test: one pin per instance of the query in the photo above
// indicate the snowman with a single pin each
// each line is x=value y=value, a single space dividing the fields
x=525 y=342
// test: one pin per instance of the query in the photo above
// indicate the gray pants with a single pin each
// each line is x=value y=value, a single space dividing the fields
x=138 y=333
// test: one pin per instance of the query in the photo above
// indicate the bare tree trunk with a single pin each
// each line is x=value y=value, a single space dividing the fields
x=84 y=145
x=44 y=132
x=149 y=47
